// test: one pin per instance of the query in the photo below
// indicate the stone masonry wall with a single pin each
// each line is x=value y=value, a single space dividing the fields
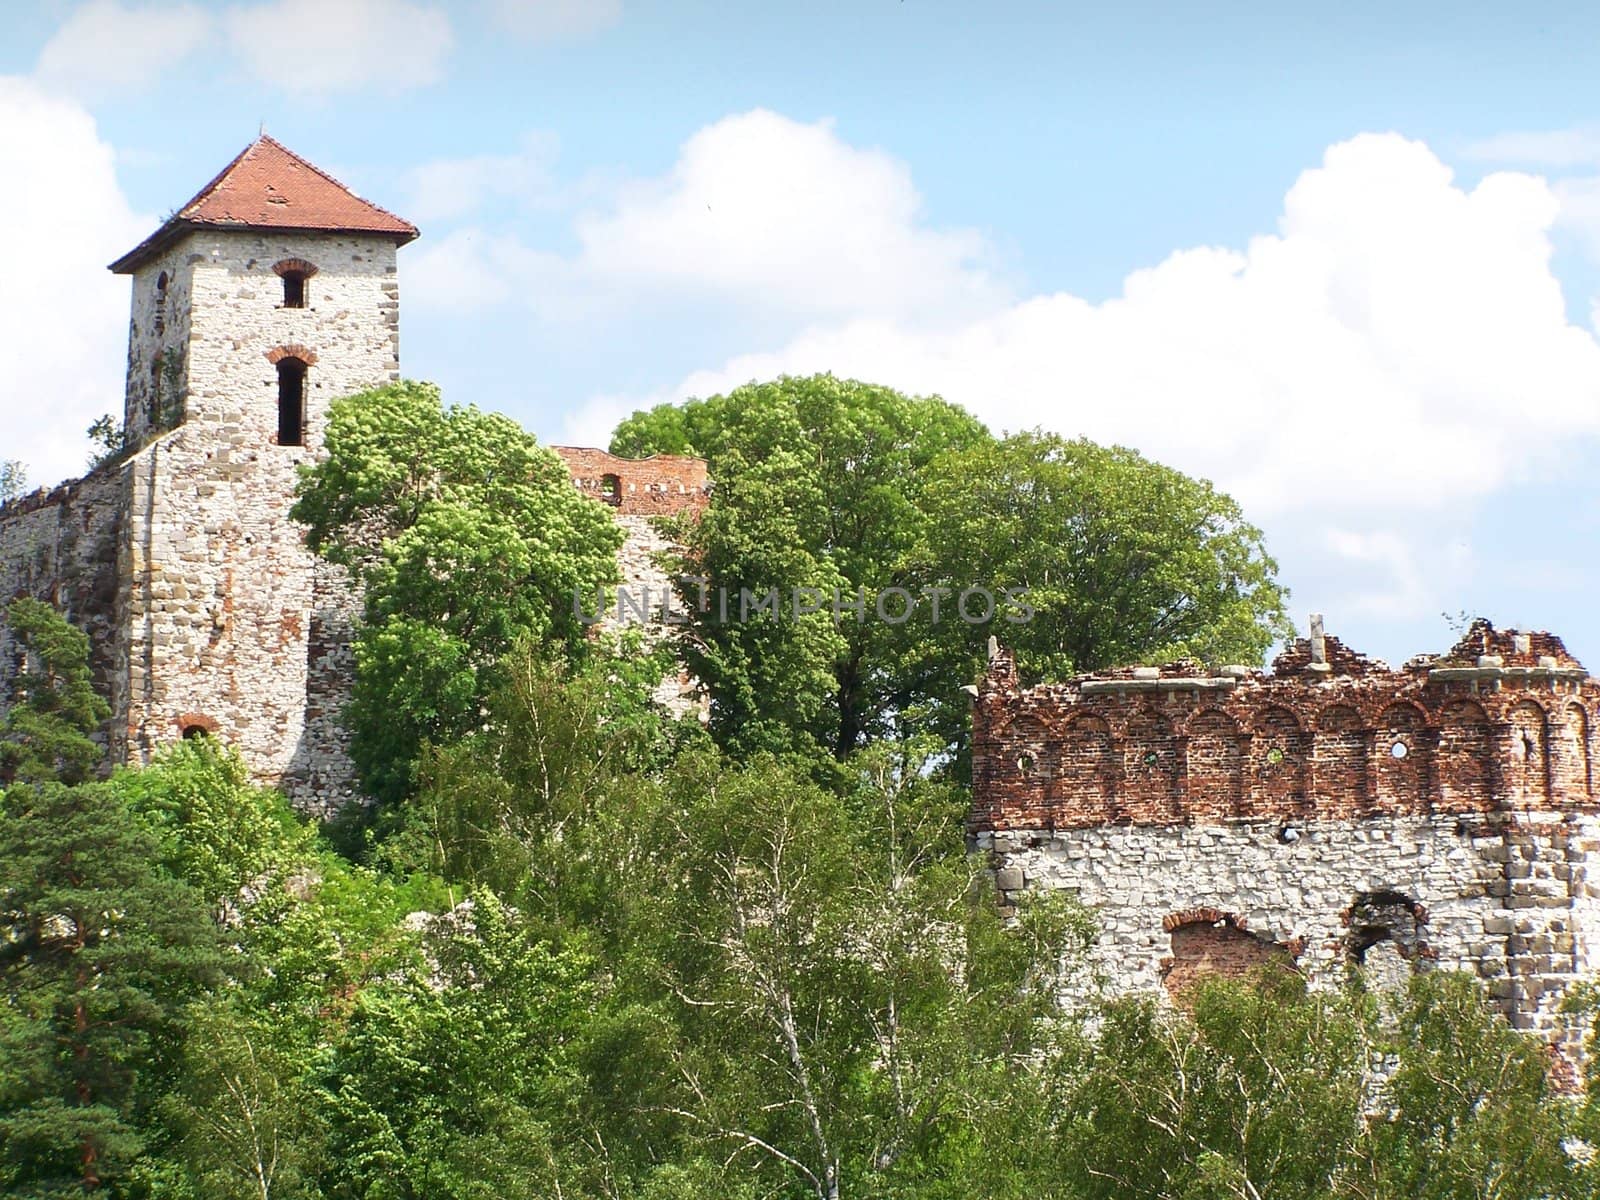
x=62 y=546
x=233 y=625
x=1333 y=813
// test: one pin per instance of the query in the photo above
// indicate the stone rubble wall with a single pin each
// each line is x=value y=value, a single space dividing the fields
x=1514 y=901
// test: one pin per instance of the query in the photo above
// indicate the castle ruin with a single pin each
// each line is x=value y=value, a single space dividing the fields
x=1332 y=814
x=271 y=293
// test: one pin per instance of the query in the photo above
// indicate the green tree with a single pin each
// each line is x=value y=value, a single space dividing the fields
x=1124 y=560
x=1093 y=557
x=816 y=989
x=1468 y=1110
x=467 y=537
x=1256 y=1091
x=444 y=1087
x=820 y=483
x=99 y=950
x=47 y=734
x=248 y=1119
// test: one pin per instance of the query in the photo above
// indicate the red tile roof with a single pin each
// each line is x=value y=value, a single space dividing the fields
x=268 y=186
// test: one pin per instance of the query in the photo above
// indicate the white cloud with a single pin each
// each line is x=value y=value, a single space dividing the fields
x=318 y=47
x=554 y=20
x=772 y=218
x=106 y=46
x=1396 y=352
x=1399 y=341
x=1548 y=148
x=446 y=189
x=766 y=211
x=65 y=315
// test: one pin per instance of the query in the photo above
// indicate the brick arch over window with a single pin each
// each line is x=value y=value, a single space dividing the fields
x=292 y=350
x=196 y=724
x=296 y=274
x=1278 y=764
x=1086 y=793
x=1216 y=766
x=1208 y=941
x=1031 y=763
x=1402 y=756
x=288 y=266
x=1465 y=758
x=1340 y=751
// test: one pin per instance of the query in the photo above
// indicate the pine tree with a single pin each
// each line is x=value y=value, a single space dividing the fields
x=99 y=946
x=46 y=733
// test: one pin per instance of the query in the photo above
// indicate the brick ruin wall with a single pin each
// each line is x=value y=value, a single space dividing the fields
x=639 y=491
x=1334 y=813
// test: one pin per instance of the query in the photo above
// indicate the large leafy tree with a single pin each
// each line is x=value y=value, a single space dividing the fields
x=820 y=483
x=442 y=1085
x=467 y=537
x=838 y=485
x=1124 y=560
x=813 y=988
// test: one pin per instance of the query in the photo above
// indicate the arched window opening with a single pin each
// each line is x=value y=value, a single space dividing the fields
x=294 y=272
x=291 y=402
x=611 y=489
x=194 y=732
x=161 y=287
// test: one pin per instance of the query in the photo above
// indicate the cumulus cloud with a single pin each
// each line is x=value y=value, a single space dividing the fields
x=776 y=213
x=540 y=21
x=105 y=46
x=1395 y=352
x=65 y=315
x=318 y=47
x=774 y=217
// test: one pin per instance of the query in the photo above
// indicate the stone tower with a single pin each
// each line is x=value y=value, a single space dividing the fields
x=268 y=295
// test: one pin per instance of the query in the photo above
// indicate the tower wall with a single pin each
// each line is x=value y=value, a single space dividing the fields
x=232 y=624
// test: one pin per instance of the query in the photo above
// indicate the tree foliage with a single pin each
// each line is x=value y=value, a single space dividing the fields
x=466 y=537
x=47 y=734
x=1092 y=556
x=1124 y=560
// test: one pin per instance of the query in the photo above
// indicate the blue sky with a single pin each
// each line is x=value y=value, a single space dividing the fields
x=1340 y=261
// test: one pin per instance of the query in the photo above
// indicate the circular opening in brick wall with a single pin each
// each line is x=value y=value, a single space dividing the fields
x=1026 y=763
x=1151 y=758
x=1275 y=755
x=1399 y=750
